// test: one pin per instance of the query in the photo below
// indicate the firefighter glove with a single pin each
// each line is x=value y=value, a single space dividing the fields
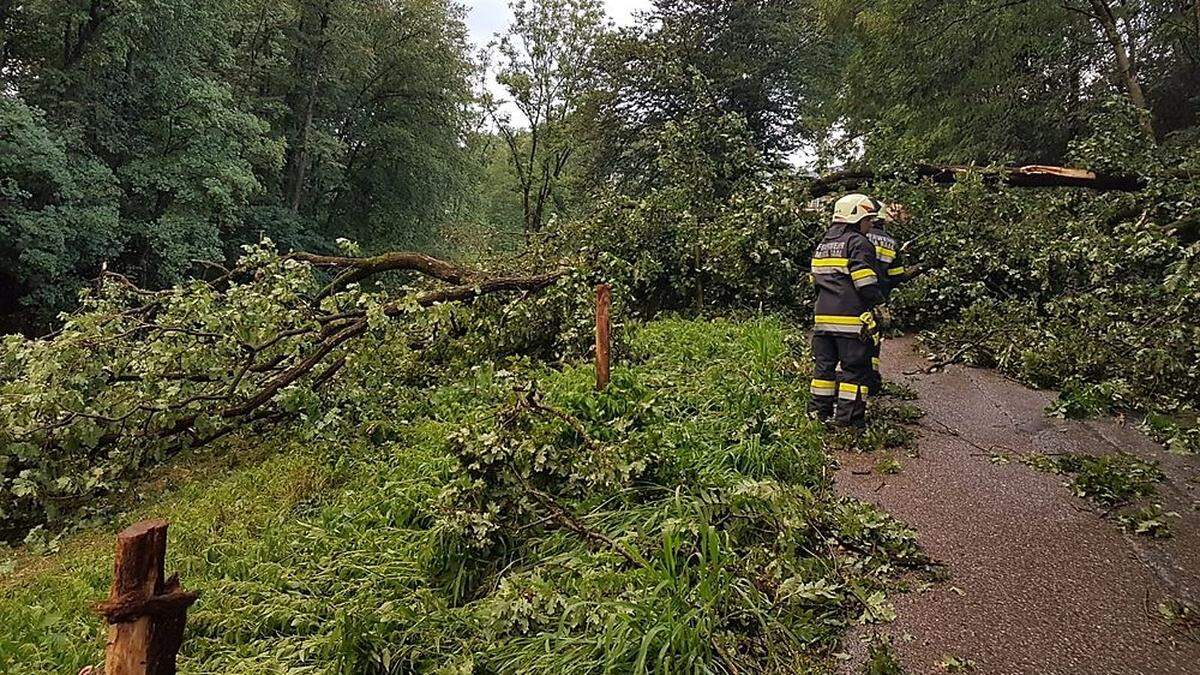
x=882 y=318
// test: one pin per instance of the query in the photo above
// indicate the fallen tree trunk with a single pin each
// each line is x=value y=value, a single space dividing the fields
x=1022 y=176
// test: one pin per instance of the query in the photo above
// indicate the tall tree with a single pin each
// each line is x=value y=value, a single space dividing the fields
x=544 y=68
x=374 y=97
x=58 y=215
x=138 y=88
x=766 y=61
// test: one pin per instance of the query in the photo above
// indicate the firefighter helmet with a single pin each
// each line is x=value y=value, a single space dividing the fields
x=853 y=208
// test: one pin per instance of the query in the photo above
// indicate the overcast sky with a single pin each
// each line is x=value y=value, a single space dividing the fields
x=489 y=17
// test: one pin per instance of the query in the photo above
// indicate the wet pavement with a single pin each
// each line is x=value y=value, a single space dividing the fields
x=1039 y=581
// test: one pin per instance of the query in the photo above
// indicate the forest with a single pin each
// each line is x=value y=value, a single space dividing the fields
x=314 y=281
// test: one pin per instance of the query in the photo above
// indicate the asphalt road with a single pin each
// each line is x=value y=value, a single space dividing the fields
x=1040 y=581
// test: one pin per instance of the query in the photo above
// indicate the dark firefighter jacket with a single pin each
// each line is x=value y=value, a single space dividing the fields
x=844 y=271
x=890 y=270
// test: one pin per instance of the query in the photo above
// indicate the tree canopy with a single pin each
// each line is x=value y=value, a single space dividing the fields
x=192 y=128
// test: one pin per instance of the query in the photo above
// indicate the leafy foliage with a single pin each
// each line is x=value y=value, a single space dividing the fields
x=58 y=213
x=765 y=63
x=135 y=375
x=1149 y=521
x=711 y=234
x=882 y=659
x=545 y=70
x=982 y=82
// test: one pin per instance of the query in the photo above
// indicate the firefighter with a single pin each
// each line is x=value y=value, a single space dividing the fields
x=844 y=269
x=891 y=272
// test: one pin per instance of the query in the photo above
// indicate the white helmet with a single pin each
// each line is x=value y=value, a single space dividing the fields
x=853 y=208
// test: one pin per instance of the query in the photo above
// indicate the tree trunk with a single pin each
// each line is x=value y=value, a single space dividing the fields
x=75 y=42
x=1022 y=176
x=300 y=165
x=309 y=62
x=1125 y=67
x=603 y=327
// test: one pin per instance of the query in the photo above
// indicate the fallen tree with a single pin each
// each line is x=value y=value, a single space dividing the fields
x=1020 y=176
x=135 y=375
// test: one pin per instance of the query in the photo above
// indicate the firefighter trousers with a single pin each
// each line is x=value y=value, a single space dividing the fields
x=840 y=396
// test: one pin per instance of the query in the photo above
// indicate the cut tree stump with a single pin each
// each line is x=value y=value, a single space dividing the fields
x=603 y=347
x=145 y=611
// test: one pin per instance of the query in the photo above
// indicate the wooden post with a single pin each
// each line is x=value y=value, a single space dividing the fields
x=145 y=611
x=603 y=317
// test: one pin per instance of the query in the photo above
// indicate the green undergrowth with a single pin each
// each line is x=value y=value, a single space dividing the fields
x=513 y=521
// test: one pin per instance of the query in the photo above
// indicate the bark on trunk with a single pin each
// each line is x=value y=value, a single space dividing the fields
x=603 y=327
x=145 y=611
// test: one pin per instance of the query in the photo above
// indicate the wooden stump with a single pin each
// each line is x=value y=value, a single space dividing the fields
x=145 y=611
x=603 y=318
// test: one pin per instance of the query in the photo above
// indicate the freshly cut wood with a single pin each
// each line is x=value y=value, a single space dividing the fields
x=1022 y=176
x=145 y=612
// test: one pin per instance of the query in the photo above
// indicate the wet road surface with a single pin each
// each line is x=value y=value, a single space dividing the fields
x=1039 y=581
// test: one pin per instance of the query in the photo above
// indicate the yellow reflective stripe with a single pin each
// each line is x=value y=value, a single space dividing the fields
x=830 y=265
x=859 y=274
x=835 y=328
x=839 y=320
x=896 y=271
x=830 y=262
x=852 y=391
x=866 y=281
x=885 y=252
x=823 y=387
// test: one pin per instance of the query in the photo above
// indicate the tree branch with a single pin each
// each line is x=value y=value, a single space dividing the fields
x=357 y=269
